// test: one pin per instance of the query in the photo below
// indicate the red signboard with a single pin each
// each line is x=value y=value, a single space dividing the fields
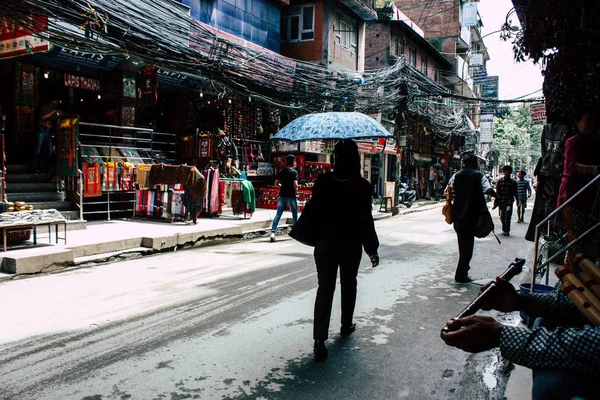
x=18 y=38
x=538 y=113
x=367 y=147
x=81 y=82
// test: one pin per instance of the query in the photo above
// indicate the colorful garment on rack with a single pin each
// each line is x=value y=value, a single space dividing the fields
x=227 y=197
x=110 y=176
x=172 y=174
x=92 y=183
x=142 y=173
x=249 y=195
x=237 y=198
x=126 y=176
x=67 y=147
x=215 y=201
x=177 y=210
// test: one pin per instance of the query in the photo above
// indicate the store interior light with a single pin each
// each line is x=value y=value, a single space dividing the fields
x=201 y=94
x=229 y=101
x=99 y=97
x=81 y=100
x=46 y=74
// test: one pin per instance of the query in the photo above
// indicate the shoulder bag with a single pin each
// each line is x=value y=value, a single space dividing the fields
x=447 y=208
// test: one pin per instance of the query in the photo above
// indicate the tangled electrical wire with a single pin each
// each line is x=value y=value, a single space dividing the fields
x=157 y=32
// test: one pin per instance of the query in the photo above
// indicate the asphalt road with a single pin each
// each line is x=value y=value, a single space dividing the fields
x=235 y=322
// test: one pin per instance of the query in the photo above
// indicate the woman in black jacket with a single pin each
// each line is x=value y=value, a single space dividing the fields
x=343 y=199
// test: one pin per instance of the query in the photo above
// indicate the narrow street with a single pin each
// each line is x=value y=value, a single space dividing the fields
x=235 y=322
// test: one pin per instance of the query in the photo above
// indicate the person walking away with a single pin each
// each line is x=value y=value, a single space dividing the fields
x=581 y=165
x=523 y=193
x=507 y=194
x=468 y=187
x=287 y=181
x=343 y=199
x=42 y=143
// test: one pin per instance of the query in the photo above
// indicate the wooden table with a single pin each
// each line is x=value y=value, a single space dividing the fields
x=9 y=228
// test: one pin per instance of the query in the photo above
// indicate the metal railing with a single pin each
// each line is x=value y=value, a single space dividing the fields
x=538 y=227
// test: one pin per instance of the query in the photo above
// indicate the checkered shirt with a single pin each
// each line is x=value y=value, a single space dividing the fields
x=506 y=190
x=575 y=349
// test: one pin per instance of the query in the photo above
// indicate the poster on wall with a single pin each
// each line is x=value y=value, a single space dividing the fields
x=26 y=83
x=129 y=87
x=367 y=169
x=128 y=116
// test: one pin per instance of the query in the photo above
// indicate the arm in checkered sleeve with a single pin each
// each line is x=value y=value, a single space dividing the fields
x=564 y=348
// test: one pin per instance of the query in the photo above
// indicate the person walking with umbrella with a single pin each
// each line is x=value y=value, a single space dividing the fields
x=343 y=199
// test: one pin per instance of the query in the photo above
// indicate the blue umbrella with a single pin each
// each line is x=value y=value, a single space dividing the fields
x=332 y=125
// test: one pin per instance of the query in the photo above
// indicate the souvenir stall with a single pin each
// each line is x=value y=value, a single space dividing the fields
x=312 y=159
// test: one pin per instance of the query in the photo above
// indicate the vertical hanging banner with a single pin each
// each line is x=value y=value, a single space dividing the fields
x=22 y=37
x=67 y=142
x=538 y=113
x=470 y=14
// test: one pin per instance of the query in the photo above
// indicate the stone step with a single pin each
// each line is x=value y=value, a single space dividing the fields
x=76 y=225
x=70 y=215
x=49 y=205
x=5 y=276
x=36 y=197
x=105 y=247
x=113 y=256
x=30 y=187
x=27 y=178
x=35 y=259
x=17 y=169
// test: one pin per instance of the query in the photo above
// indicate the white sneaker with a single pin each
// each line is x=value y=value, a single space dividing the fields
x=272 y=239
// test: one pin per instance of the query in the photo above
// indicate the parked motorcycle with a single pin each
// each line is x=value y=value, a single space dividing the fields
x=406 y=195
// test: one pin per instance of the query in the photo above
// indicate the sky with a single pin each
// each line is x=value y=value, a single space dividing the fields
x=515 y=79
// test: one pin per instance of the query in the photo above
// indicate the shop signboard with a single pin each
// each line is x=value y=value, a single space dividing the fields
x=367 y=147
x=314 y=146
x=476 y=60
x=283 y=147
x=106 y=62
x=486 y=123
x=469 y=14
x=391 y=147
x=538 y=113
x=82 y=82
x=16 y=39
x=489 y=88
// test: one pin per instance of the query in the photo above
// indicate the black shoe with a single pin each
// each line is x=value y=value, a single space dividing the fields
x=347 y=330
x=465 y=279
x=320 y=350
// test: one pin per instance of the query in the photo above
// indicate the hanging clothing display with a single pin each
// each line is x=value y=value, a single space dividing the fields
x=142 y=172
x=110 y=176
x=92 y=184
x=126 y=176
x=67 y=144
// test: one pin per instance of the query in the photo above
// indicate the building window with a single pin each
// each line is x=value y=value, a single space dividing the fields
x=424 y=65
x=412 y=56
x=346 y=34
x=298 y=24
x=436 y=76
x=399 y=47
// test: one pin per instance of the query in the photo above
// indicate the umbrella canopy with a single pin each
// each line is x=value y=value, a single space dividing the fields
x=332 y=125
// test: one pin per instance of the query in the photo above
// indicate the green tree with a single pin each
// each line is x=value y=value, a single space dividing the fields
x=516 y=139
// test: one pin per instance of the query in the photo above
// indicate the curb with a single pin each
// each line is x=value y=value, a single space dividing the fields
x=202 y=241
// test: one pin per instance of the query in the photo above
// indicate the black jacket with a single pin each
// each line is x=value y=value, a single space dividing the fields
x=345 y=210
x=468 y=195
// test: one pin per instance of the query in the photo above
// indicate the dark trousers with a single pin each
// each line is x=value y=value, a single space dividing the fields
x=465 y=233
x=328 y=257
x=42 y=149
x=505 y=216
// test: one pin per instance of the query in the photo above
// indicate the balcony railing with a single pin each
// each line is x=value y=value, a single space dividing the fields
x=365 y=9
